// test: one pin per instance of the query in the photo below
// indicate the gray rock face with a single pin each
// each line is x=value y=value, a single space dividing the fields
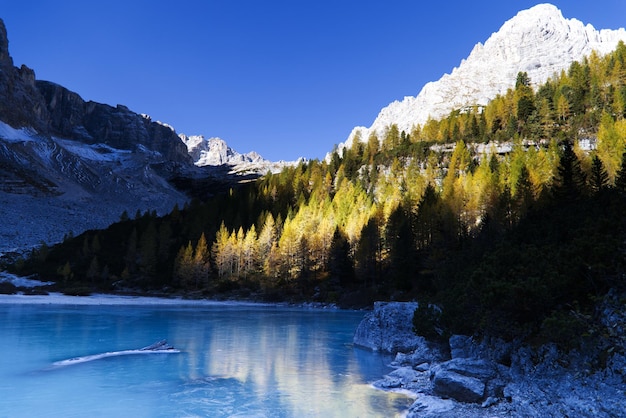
x=72 y=118
x=53 y=110
x=448 y=384
x=535 y=382
x=21 y=103
x=62 y=158
x=460 y=346
x=389 y=328
x=467 y=379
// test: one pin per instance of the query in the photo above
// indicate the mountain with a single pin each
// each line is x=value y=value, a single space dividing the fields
x=67 y=164
x=539 y=41
x=215 y=152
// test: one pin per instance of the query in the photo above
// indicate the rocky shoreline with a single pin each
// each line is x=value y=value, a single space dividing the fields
x=469 y=378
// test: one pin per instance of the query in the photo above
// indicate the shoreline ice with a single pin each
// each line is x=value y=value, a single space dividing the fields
x=105 y=299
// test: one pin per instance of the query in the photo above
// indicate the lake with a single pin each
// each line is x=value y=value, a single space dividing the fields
x=235 y=360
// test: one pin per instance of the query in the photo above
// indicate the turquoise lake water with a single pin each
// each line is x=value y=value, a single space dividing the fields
x=235 y=361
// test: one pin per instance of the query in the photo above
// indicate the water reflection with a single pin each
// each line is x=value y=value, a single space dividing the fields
x=301 y=360
x=236 y=361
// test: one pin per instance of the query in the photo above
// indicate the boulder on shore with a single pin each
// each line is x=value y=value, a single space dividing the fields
x=389 y=328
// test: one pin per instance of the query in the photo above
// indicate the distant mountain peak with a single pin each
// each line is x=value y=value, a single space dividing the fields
x=539 y=41
x=216 y=152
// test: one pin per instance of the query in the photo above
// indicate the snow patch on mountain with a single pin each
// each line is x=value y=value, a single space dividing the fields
x=539 y=41
x=11 y=134
x=94 y=152
x=50 y=186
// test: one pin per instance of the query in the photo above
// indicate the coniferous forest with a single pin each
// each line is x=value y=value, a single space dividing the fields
x=509 y=217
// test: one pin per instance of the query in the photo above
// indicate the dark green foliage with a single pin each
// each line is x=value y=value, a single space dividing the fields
x=556 y=257
x=599 y=178
x=570 y=181
x=339 y=264
x=402 y=249
x=427 y=322
x=368 y=254
x=620 y=179
x=7 y=288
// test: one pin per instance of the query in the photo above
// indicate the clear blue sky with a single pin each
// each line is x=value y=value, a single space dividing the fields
x=284 y=78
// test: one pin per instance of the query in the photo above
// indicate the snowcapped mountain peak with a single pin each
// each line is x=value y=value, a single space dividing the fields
x=539 y=41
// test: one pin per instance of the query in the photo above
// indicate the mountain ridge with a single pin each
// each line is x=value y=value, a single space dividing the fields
x=215 y=151
x=539 y=41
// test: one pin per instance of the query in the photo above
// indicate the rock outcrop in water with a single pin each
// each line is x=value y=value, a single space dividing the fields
x=492 y=378
x=388 y=328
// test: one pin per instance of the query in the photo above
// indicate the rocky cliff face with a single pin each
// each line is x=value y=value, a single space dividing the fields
x=21 y=103
x=539 y=41
x=53 y=110
x=90 y=122
x=67 y=164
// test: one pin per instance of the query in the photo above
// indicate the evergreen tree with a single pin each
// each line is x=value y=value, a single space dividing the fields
x=524 y=97
x=93 y=270
x=599 y=178
x=339 y=264
x=148 y=250
x=66 y=272
x=402 y=250
x=620 y=179
x=368 y=252
x=426 y=221
x=570 y=180
x=524 y=193
x=131 y=250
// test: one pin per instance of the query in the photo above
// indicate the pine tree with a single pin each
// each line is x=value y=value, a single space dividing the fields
x=620 y=178
x=94 y=269
x=402 y=250
x=148 y=250
x=570 y=180
x=339 y=264
x=124 y=216
x=524 y=193
x=66 y=272
x=368 y=252
x=599 y=178
x=131 y=250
